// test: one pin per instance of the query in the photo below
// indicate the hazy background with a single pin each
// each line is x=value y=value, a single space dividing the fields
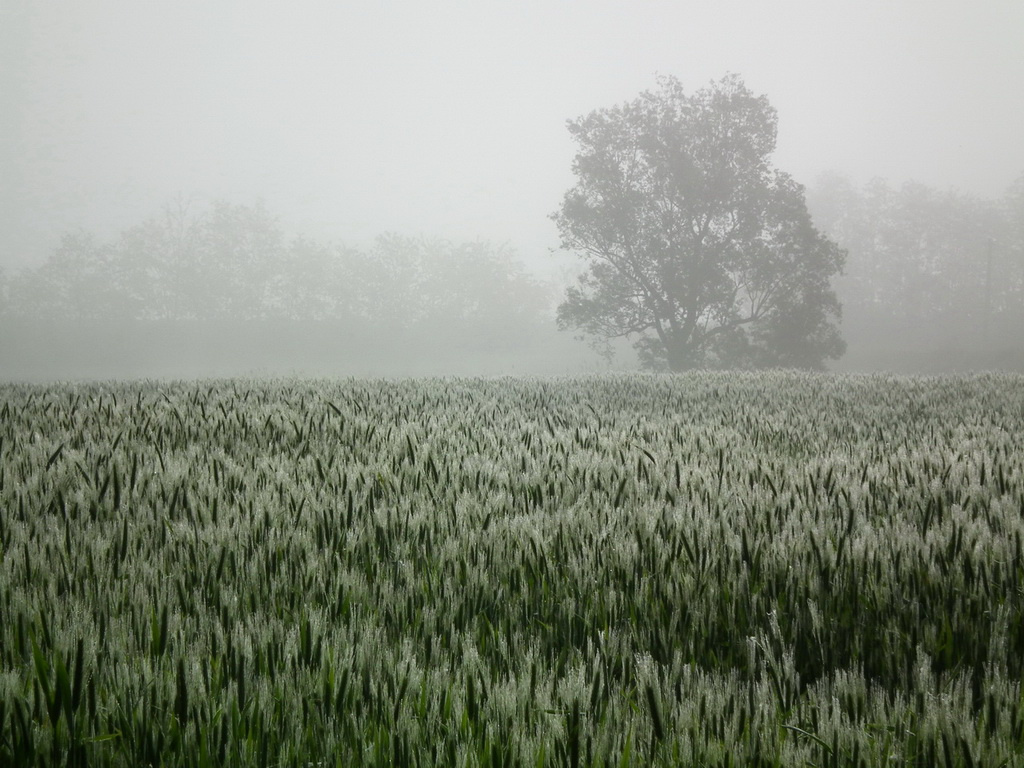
x=447 y=119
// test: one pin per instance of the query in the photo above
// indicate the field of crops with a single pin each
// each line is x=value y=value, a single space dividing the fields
x=707 y=570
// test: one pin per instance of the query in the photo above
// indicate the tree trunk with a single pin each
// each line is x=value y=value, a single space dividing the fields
x=681 y=354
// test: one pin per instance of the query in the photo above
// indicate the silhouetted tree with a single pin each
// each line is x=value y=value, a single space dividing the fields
x=695 y=243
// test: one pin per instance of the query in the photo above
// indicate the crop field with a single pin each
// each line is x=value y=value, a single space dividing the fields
x=702 y=570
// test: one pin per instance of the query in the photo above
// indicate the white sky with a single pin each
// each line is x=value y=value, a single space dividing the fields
x=350 y=118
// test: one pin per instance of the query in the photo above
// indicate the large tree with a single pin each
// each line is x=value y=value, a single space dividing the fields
x=696 y=245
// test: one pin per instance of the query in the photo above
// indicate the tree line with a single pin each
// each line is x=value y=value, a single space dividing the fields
x=936 y=275
x=223 y=291
x=704 y=254
x=234 y=262
x=694 y=247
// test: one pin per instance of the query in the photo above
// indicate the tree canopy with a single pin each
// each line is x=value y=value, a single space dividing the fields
x=696 y=246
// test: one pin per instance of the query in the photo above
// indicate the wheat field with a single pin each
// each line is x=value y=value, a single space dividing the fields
x=772 y=569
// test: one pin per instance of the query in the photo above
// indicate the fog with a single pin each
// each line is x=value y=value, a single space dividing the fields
x=446 y=121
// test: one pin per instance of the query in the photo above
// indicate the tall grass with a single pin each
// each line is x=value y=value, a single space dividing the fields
x=719 y=570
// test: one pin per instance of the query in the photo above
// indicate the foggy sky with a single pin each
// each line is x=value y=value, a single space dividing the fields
x=349 y=119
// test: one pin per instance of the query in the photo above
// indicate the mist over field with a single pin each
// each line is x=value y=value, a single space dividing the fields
x=491 y=384
x=337 y=189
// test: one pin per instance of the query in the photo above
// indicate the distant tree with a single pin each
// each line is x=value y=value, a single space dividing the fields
x=4 y=293
x=232 y=262
x=696 y=245
x=79 y=281
x=926 y=268
x=415 y=280
x=221 y=263
x=1013 y=210
x=317 y=281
